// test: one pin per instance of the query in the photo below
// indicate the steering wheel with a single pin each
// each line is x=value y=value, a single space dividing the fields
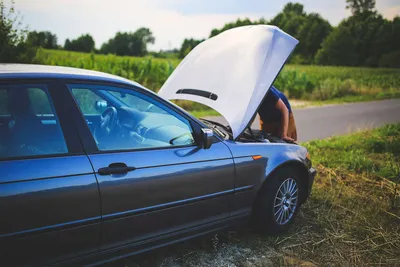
x=108 y=121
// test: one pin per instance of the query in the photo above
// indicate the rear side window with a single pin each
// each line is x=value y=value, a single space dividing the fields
x=3 y=103
x=29 y=125
x=40 y=102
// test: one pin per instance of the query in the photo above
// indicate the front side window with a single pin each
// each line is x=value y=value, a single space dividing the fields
x=122 y=119
x=28 y=123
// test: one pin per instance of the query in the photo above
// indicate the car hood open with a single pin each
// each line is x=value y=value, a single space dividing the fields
x=232 y=72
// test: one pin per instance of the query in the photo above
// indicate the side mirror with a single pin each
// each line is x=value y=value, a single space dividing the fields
x=208 y=137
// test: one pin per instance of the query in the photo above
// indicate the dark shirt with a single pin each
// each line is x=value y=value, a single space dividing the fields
x=268 y=111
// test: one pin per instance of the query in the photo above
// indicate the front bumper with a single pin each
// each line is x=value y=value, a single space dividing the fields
x=311 y=176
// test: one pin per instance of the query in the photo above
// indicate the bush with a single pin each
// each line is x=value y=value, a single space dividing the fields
x=334 y=88
x=12 y=38
x=390 y=60
x=295 y=84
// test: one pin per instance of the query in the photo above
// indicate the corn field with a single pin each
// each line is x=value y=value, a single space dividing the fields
x=307 y=82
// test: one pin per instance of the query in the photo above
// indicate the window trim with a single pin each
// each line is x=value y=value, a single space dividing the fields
x=87 y=137
x=73 y=144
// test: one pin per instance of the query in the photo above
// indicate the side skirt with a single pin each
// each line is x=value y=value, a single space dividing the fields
x=157 y=242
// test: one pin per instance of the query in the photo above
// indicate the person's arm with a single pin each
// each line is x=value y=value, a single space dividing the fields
x=284 y=120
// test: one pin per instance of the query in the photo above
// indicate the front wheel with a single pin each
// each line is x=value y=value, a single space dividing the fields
x=278 y=202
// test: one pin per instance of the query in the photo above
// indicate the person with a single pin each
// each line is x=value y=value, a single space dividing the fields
x=276 y=116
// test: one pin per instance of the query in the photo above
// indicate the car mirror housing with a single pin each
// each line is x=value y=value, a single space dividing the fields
x=207 y=136
x=101 y=105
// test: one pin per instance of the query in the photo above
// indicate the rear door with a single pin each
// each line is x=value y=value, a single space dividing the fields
x=154 y=179
x=49 y=199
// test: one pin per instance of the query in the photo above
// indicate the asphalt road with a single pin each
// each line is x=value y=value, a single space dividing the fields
x=322 y=122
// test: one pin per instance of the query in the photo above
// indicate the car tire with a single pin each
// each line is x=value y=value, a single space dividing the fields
x=278 y=202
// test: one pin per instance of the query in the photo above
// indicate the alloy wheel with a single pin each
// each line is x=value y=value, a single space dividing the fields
x=286 y=200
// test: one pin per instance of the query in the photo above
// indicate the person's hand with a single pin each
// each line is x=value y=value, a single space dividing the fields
x=287 y=139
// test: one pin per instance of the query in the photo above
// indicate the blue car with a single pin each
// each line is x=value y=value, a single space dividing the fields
x=94 y=167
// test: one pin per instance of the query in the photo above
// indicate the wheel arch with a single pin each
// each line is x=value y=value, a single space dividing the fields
x=298 y=166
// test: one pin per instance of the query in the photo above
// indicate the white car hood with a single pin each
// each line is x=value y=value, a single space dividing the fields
x=232 y=72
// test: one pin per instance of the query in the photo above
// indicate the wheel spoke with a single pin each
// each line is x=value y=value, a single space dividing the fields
x=280 y=191
x=292 y=208
x=293 y=188
x=279 y=215
x=287 y=184
x=286 y=216
x=278 y=211
x=291 y=185
x=295 y=191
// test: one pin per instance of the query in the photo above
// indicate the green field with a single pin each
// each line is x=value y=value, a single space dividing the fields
x=314 y=83
x=351 y=218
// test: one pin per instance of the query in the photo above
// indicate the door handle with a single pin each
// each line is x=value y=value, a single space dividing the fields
x=116 y=168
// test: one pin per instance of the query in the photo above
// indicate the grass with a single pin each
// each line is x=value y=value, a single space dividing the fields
x=319 y=84
x=348 y=220
x=204 y=113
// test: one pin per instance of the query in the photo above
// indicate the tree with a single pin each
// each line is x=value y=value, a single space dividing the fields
x=45 y=39
x=129 y=43
x=359 y=40
x=364 y=39
x=360 y=6
x=237 y=23
x=290 y=19
x=390 y=57
x=311 y=34
x=12 y=37
x=339 y=48
x=187 y=46
x=231 y=25
x=83 y=43
x=310 y=29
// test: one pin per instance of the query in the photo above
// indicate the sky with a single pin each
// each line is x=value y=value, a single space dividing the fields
x=171 y=21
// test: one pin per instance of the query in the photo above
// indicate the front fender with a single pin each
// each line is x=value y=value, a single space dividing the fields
x=251 y=173
x=274 y=155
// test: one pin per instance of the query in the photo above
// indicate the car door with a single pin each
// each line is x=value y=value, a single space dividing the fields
x=153 y=176
x=49 y=199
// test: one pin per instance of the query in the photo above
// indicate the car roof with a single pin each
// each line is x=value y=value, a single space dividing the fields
x=32 y=71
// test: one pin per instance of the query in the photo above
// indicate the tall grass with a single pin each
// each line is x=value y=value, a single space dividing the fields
x=297 y=81
x=148 y=71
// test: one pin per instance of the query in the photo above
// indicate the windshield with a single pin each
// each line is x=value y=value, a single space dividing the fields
x=130 y=100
